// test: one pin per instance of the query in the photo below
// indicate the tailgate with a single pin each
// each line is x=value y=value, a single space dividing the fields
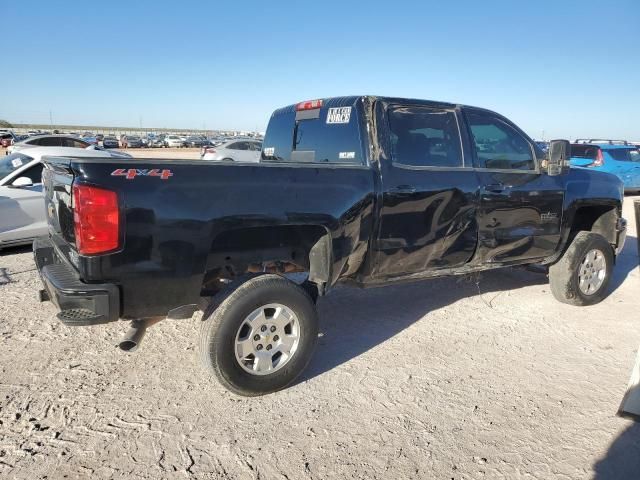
x=57 y=178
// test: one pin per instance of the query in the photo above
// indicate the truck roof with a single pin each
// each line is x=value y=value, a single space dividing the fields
x=352 y=99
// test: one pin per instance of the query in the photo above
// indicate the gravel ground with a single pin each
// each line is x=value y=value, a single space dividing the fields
x=480 y=377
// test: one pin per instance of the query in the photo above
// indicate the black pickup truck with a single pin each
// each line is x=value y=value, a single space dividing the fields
x=368 y=190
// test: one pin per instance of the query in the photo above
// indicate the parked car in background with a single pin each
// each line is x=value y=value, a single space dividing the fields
x=195 y=141
x=233 y=151
x=133 y=141
x=48 y=141
x=8 y=141
x=91 y=140
x=22 y=209
x=112 y=153
x=7 y=138
x=156 y=141
x=544 y=146
x=173 y=141
x=617 y=157
x=100 y=137
x=110 y=142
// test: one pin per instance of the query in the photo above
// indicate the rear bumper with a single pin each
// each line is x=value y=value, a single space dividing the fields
x=80 y=303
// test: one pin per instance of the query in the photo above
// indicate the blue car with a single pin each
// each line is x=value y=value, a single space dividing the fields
x=623 y=160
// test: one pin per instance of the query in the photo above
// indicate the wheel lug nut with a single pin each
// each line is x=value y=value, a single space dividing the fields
x=259 y=346
x=256 y=337
x=268 y=347
x=276 y=338
x=263 y=328
x=273 y=328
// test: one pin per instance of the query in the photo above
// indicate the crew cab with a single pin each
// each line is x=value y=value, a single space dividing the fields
x=366 y=190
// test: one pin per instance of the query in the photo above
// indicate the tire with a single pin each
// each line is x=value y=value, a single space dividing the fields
x=223 y=328
x=565 y=275
x=227 y=159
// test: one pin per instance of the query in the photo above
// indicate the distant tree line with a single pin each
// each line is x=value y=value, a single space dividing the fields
x=5 y=124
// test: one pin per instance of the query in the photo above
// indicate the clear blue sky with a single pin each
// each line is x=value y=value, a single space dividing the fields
x=570 y=68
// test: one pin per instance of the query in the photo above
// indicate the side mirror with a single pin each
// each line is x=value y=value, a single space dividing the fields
x=558 y=157
x=22 y=182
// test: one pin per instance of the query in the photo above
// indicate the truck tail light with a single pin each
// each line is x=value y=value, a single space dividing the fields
x=308 y=105
x=599 y=161
x=96 y=219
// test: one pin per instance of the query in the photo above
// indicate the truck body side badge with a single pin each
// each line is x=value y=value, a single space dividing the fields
x=132 y=173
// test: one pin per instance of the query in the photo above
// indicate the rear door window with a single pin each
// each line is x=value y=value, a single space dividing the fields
x=72 y=142
x=49 y=142
x=239 y=146
x=425 y=137
x=620 y=154
x=331 y=135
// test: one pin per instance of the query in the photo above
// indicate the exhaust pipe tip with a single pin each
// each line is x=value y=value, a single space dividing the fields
x=132 y=339
x=128 y=346
x=134 y=335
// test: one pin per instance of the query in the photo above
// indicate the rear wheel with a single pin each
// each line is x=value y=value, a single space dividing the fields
x=261 y=336
x=582 y=275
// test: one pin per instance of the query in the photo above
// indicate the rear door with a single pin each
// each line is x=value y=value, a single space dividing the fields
x=429 y=193
x=520 y=210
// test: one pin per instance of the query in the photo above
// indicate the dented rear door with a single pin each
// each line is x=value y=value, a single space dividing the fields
x=429 y=192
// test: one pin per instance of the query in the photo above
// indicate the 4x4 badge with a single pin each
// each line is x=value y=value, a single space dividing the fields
x=131 y=173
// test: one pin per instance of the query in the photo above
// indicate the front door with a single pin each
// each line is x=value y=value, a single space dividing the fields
x=520 y=209
x=428 y=213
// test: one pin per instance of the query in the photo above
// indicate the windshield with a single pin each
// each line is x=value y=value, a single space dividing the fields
x=12 y=162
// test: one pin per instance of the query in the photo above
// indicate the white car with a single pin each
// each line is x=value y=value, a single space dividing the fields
x=234 y=150
x=22 y=211
x=48 y=141
x=173 y=141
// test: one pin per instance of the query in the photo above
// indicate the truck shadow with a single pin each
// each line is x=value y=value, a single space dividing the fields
x=384 y=312
x=5 y=274
x=626 y=263
x=14 y=250
x=623 y=457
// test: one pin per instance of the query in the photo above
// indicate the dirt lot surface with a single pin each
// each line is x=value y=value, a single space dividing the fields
x=483 y=377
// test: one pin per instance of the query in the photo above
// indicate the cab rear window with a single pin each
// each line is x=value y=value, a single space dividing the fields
x=329 y=136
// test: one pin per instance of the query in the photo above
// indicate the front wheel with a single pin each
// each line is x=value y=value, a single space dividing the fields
x=261 y=337
x=582 y=275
